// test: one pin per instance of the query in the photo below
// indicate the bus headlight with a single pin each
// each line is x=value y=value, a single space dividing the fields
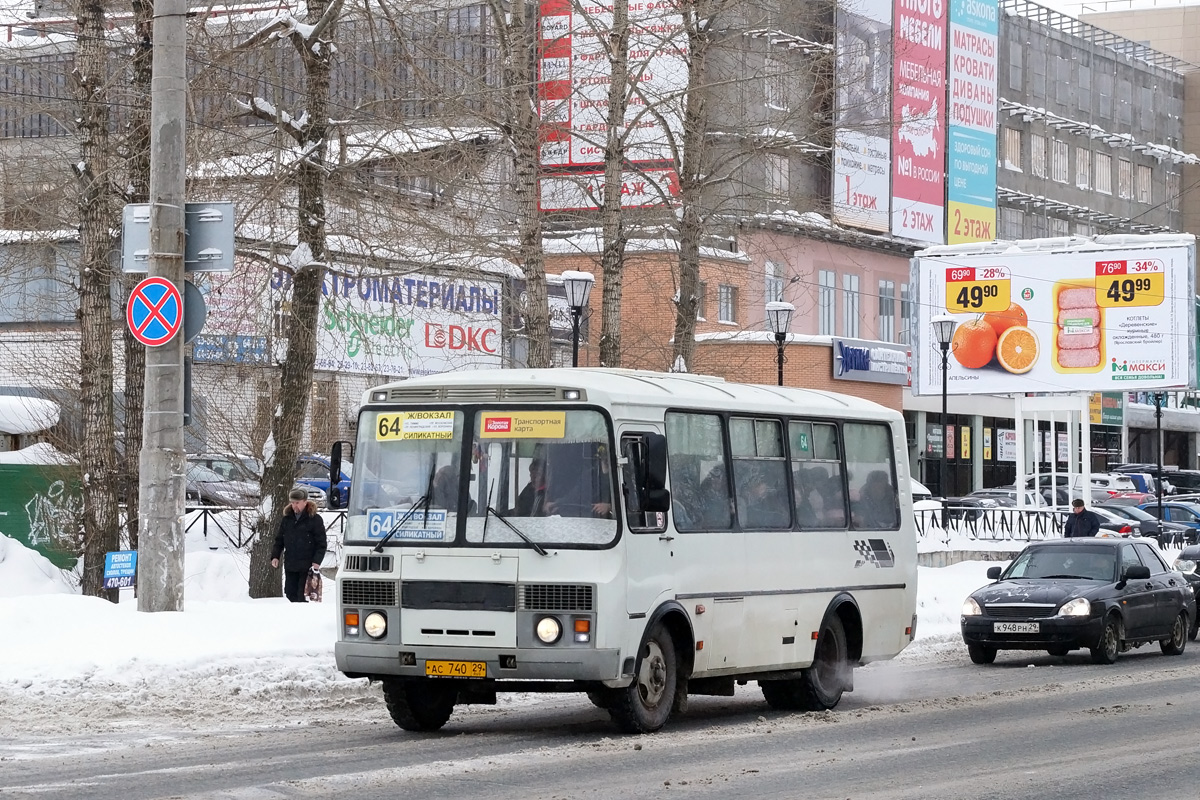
x=548 y=629
x=375 y=625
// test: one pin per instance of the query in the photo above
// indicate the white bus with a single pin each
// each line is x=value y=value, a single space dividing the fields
x=637 y=536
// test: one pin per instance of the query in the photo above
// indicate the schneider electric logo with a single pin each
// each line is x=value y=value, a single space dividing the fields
x=1138 y=370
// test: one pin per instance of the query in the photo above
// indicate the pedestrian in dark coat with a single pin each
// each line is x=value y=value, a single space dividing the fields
x=1081 y=522
x=301 y=542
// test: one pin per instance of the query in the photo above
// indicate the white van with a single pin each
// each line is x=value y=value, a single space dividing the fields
x=1103 y=485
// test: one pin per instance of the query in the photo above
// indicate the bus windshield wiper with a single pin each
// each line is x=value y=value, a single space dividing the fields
x=423 y=502
x=540 y=550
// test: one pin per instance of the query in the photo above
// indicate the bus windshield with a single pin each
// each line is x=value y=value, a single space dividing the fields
x=547 y=473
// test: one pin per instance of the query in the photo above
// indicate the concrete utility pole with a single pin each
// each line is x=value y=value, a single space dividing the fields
x=163 y=461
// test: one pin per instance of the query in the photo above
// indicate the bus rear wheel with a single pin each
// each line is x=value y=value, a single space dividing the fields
x=419 y=704
x=645 y=705
x=822 y=684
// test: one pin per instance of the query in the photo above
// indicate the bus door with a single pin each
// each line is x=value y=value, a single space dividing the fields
x=649 y=544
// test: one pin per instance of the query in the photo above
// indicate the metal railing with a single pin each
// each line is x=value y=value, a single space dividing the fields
x=236 y=525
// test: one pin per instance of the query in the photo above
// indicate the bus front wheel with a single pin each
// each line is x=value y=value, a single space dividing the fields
x=645 y=705
x=420 y=704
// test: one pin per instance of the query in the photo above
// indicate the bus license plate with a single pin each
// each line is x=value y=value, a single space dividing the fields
x=457 y=669
x=1016 y=627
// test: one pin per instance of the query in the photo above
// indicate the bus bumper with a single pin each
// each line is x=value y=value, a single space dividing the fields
x=359 y=660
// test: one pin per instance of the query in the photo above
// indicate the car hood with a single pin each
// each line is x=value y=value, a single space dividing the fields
x=1053 y=591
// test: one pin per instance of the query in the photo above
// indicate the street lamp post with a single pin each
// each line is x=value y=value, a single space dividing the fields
x=1160 y=398
x=779 y=319
x=579 y=288
x=943 y=330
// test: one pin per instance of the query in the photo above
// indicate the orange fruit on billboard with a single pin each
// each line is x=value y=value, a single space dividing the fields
x=1003 y=320
x=1017 y=350
x=974 y=344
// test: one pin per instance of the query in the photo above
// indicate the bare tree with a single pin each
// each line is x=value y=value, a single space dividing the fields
x=96 y=221
x=310 y=131
x=612 y=220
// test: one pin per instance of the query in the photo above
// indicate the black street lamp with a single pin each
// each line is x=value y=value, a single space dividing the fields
x=943 y=331
x=1160 y=399
x=779 y=319
x=579 y=288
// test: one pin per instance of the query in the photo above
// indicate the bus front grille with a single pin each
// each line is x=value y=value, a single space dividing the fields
x=368 y=593
x=368 y=564
x=556 y=597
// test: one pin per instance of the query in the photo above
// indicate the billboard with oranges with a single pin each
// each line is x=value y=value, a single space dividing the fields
x=1108 y=313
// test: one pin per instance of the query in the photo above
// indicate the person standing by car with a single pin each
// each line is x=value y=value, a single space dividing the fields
x=300 y=541
x=1081 y=522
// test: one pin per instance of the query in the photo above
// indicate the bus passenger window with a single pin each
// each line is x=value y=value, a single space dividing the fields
x=873 y=501
x=760 y=474
x=700 y=498
x=817 y=475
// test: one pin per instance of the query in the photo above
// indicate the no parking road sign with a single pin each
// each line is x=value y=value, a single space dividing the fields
x=155 y=312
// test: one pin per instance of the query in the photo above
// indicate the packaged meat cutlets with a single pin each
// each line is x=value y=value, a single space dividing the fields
x=1079 y=339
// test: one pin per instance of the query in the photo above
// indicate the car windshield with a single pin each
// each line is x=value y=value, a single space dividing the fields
x=1129 y=512
x=202 y=474
x=1083 y=563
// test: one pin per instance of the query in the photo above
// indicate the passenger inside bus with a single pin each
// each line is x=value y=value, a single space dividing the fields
x=876 y=506
x=445 y=490
x=762 y=497
x=531 y=502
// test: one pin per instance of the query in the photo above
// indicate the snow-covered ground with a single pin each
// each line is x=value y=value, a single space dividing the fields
x=70 y=662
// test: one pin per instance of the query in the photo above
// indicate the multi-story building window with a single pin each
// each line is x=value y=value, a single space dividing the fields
x=775 y=84
x=1103 y=182
x=701 y=300
x=773 y=288
x=1037 y=155
x=1012 y=149
x=826 y=286
x=887 y=311
x=906 y=312
x=1085 y=229
x=1012 y=223
x=1083 y=167
x=1144 y=178
x=726 y=303
x=1058 y=227
x=1060 y=161
x=1038 y=227
x=850 y=305
x=1124 y=178
x=1172 y=191
x=777 y=176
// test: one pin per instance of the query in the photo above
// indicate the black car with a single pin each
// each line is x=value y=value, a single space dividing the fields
x=1106 y=595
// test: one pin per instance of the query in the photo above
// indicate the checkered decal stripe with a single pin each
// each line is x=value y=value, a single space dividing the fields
x=874 y=552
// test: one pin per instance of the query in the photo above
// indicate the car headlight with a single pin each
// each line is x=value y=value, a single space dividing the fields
x=1185 y=565
x=375 y=625
x=971 y=608
x=1079 y=607
x=548 y=629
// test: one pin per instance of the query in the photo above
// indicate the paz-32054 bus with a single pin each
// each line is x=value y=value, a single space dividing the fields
x=636 y=536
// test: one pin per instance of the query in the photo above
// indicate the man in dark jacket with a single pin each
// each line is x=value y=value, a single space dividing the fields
x=1081 y=522
x=301 y=542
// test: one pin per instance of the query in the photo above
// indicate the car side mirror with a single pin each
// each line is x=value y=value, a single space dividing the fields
x=1138 y=573
x=993 y=573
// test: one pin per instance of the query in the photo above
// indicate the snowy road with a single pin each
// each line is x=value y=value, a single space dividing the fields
x=932 y=726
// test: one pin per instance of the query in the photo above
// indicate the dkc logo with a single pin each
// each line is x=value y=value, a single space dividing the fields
x=458 y=337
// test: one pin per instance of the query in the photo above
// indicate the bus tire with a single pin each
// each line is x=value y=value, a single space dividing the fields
x=785 y=695
x=645 y=705
x=823 y=683
x=419 y=705
x=598 y=698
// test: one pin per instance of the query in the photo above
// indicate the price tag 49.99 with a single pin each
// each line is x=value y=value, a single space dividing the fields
x=977 y=289
x=1128 y=284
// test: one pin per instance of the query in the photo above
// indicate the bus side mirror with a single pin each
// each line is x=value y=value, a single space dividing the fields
x=654 y=485
x=335 y=475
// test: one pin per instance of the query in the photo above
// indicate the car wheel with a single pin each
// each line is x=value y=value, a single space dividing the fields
x=981 y=654
x=645 y=705
x=1058 y=651
x=419 y=705
x=831 y=672
x=1109 y=646
x=1173 y=646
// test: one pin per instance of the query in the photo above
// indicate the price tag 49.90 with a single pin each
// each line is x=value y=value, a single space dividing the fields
x=977 y=289
x=1128 y=284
